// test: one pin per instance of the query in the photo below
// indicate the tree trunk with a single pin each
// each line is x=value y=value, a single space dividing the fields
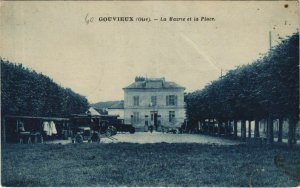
x=211 y=129
x=290 y=138
x=292 y=125
x=204 y=126
x=3 y=131
x=225 y=128
x=266 y=130
x=294 y=133
x=256 y=129
x=270 y=130
x=249 y=129
x=219 y=128
x=280 y=130
x=230 y=127
x=243 y=130
x=235 y=129
x=207 y=126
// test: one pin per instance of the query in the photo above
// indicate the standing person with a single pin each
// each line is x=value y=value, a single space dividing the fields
x=151 y=128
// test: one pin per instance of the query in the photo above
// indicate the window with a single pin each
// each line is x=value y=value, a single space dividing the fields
x=136 y=117
x=136 y=101
x=153 y=100
x=171 y=116
x=171 y=100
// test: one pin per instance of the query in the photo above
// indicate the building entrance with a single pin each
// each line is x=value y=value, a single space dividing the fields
x=154 y=118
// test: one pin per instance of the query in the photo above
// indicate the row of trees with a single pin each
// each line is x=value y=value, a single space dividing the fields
x=265 y=89
x=25 y=92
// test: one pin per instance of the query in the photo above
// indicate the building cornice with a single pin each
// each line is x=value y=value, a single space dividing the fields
x=155 y=108
x=154 y=89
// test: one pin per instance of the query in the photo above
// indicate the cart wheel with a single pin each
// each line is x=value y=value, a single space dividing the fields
x=114 y=130
x=108 y=133
x=132 y=131
x=78 y=139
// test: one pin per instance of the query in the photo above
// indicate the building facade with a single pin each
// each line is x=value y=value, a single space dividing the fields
x=154 y=102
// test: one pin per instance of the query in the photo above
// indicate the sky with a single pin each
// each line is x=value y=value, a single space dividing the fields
x=98 y=59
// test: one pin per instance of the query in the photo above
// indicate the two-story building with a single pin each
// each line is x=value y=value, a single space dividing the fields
x=154 y=102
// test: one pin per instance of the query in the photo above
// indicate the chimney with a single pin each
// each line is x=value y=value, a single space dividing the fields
x=139 y=79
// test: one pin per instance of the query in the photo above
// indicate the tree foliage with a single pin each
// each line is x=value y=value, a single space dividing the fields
x=25 y=92
x=267 y=87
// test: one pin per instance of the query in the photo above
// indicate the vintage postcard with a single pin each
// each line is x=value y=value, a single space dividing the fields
x=149 y=93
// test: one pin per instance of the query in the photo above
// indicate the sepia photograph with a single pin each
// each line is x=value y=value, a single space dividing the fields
x=150 y=93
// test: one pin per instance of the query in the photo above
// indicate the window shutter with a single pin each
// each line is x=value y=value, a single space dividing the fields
x=175 y=100
x=167 y=100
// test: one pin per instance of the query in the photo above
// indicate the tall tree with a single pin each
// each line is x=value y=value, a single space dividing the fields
x=25 y=92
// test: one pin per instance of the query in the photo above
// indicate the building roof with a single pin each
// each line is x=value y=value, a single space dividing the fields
x=93 y=112
x=154 y=83
x=117 y=105
x=36 y=117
